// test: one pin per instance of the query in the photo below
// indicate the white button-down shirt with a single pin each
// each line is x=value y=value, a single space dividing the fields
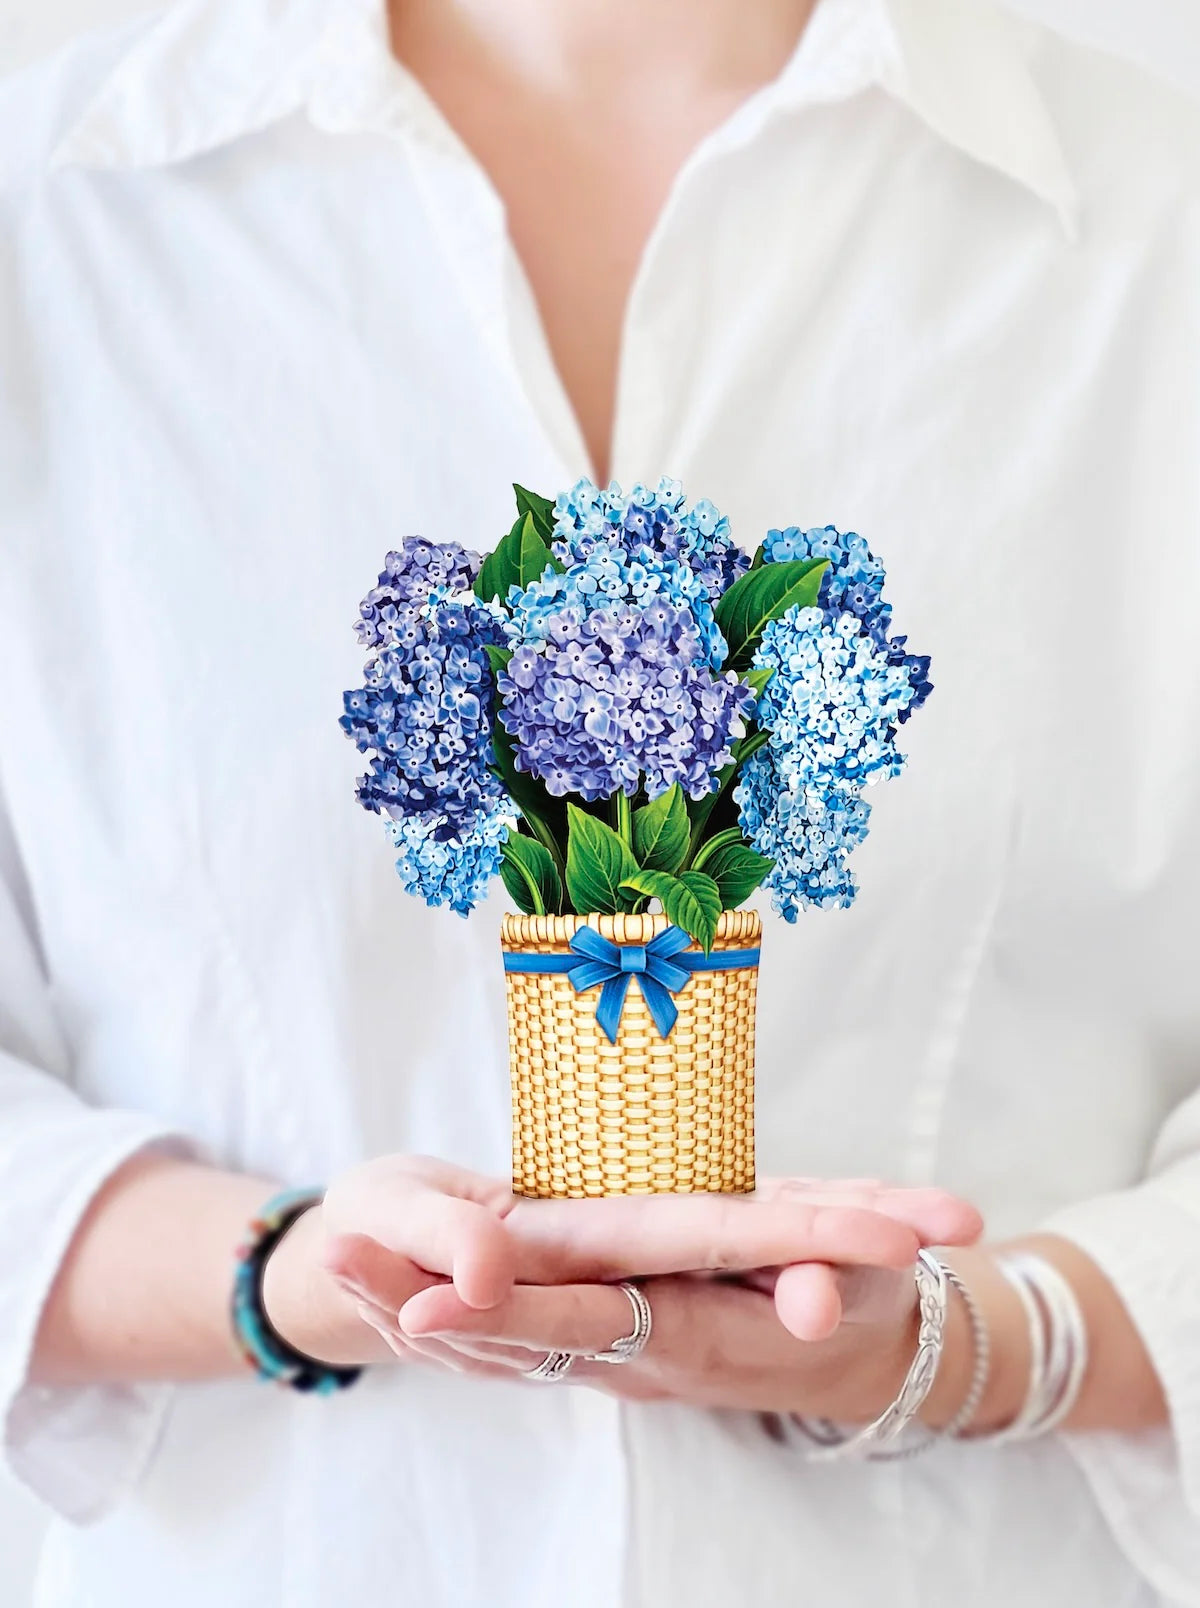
x=259 y=317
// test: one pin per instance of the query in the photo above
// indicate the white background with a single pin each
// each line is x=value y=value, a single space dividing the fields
x=1162 y=34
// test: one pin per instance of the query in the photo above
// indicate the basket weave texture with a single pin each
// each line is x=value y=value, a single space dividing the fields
x=644 y=1115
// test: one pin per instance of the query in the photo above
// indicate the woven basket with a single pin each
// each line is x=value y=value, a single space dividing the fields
x=645 y=1115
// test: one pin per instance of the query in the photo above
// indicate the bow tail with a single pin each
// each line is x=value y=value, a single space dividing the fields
x=660 y=1004
x=612 y=1003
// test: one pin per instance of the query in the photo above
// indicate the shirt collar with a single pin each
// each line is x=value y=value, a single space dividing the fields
x=209 y=71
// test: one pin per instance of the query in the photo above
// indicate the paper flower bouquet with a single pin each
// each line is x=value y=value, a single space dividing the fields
x=635 y=725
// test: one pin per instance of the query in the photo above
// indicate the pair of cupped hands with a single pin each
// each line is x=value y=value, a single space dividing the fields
x=798 y=1298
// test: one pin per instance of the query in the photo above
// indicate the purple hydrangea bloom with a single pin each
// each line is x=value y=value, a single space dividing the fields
x=425 y=717
x=410 y=575
x=620 y=695
x=647 y=527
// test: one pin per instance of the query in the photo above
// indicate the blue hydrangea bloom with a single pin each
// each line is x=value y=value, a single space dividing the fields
x=425 y=716
x=808 y=830
x=648 y=525
x=452 y=871
x=835 y=699
x=853 y=584
x=410 y=575
x=608 y=577
x=617 y=695
x=840 y=691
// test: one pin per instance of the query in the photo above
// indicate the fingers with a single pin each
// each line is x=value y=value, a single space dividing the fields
x=640 y=1236
x=935 y=1215
x=440 y=1218
x=571 y=1317
x=808 y=1300
x=371 y=1272
x=448 y=1222
x=813 y=1301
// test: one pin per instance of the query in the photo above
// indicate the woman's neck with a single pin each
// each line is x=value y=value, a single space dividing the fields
x=582 y=113
x=574 y=45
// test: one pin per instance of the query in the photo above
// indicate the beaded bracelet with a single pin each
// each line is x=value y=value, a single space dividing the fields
x=267 y=1352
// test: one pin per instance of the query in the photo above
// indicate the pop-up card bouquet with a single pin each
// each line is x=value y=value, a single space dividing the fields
x=635 y=725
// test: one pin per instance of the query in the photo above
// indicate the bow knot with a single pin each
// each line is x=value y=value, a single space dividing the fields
x=613 y=967
x=633 y=957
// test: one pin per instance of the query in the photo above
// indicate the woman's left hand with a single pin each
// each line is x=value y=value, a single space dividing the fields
x=806 y=1339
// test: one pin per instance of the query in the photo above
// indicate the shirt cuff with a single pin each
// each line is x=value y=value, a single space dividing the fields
x=79 y=1448
x=1147 y=1243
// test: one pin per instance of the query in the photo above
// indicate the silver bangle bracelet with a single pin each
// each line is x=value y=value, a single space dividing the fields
x=1058 y=1346
x=829 y=1444
x=980 y=1372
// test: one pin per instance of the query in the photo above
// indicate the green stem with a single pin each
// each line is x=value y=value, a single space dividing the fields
x=547 y=839
x=703 y=810
x=624 y=820
x=749 y=744
x=732 y=834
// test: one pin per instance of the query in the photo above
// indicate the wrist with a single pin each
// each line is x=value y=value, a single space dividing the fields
x=307 y=1308
x=1009 y=1364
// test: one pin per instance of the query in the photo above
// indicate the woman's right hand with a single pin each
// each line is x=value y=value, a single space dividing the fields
x=396 y=1225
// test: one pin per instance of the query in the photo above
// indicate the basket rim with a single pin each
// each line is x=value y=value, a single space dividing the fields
x=735 y=929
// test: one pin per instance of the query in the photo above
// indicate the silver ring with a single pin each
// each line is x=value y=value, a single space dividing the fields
x=630 y=1345
x=552 y=1367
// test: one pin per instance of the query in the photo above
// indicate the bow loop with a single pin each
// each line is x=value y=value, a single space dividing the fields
x=614 y=966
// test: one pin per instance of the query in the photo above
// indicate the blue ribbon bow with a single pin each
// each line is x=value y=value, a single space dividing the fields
x=616 y=965
x=660 y=967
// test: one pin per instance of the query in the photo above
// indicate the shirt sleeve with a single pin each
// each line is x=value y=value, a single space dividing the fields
x=77 y=1448
x=1146 y=1240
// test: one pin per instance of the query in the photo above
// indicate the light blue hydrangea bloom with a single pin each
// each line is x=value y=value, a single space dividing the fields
x=648 y=524
x=840 y=691
x=452 y=871
x=609 y=576
x=809 y=831
x=835 y=699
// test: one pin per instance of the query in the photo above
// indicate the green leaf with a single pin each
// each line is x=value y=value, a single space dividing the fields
x=531 y=876
x=763 y=595
x=518 y=558
x=533 y=554
x=690 y=901
x=735 y=867
x=498 y=658
x=541 y=510
x=700 y=810
x=759 y=559
x=545 y=815
x=660 y=831
x=597 y=864
x=757 y=680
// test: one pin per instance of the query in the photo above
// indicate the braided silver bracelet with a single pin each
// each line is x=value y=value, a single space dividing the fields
x=982 y=1367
